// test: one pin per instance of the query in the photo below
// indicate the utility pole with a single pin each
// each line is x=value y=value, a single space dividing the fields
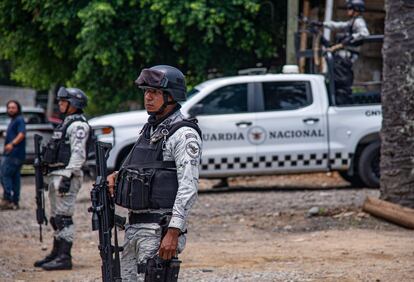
x=292 y=27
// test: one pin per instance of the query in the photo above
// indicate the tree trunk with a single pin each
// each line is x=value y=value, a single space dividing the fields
x=397 y=134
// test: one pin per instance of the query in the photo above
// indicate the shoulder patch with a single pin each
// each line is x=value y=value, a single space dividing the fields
x=192 y=149
x=80 y=132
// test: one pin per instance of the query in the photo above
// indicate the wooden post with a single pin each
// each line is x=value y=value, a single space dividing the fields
x=303 y=36
x=292 y=27
x=50 y=101
x=389 y=211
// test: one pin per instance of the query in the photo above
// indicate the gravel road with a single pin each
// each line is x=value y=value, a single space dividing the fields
x=275 y=228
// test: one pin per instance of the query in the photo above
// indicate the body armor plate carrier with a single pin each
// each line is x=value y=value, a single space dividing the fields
x=57 y=152
x=145 y=181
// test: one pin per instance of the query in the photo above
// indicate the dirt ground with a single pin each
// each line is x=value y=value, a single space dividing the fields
x=258 y=230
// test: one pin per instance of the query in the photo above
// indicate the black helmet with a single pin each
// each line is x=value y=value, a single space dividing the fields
x=356 y=5
x=166 y=78
x=75 y=96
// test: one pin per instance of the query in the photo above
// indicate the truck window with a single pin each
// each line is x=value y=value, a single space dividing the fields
x=287 y=95
x=230 y=99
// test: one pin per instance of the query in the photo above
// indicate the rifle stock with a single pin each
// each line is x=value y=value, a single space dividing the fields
x=103 y=217
x=40 y=187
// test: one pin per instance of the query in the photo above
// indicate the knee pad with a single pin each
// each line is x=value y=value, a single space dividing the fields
x=63 y=221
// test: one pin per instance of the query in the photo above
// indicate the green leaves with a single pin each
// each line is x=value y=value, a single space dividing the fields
x=101 y=46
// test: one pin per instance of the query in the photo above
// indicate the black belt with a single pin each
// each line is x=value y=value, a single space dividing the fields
x=135 y=218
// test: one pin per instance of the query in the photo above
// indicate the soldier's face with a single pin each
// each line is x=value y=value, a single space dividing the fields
x=153 y=99
x=350 y=12
x=63 y=105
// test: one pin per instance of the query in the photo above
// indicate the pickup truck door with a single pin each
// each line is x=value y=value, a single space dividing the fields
x=291 y=132
x=225 y=116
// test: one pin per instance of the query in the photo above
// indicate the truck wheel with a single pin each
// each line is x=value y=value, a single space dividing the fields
x=369 y=165
x=354 y=180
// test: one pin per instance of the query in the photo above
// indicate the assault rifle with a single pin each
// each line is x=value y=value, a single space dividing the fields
x=40 y=186
x=103 y=217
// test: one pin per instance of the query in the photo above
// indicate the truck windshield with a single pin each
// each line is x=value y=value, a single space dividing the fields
x=192 y=92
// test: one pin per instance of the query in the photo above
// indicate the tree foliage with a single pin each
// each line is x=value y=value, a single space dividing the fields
x=100 y=46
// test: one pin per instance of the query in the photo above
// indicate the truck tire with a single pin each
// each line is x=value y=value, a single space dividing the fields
x=369 y=165
x=354 y=180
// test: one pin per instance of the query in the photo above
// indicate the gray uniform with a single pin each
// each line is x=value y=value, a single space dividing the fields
x=64 y=204
x=357 y=27
x=142 y=240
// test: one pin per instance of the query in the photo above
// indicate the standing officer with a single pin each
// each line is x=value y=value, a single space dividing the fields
x=158 y=181
x=64 y=156
x=355 y=28
x=346 y=52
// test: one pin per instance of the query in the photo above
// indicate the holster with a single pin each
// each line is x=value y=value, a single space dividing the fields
x=159 y=270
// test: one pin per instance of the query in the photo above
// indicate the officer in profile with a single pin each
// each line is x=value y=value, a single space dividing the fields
x=158 y=180
x=63 y=157
x=354 y=29
x=346 y=52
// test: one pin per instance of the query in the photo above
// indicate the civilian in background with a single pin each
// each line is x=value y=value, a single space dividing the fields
x=13 y=156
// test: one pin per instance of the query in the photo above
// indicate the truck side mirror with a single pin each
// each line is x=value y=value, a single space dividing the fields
x=196 y=110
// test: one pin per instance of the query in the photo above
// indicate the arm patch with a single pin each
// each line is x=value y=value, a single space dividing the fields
x=192 y=149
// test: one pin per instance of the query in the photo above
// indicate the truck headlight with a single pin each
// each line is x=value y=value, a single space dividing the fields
x=105 y=134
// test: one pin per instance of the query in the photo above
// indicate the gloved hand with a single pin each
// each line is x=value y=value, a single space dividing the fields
x=316 y=23
x=347 y=40
x=64 y=185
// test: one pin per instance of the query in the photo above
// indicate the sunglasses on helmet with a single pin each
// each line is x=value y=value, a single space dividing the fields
x=151 y=79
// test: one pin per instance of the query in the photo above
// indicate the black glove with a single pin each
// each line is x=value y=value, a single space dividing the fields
x=347 y=40
x=316 y=23
x=64 y=185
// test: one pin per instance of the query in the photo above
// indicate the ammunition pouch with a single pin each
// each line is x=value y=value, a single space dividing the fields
x=56 y=153
x=159 y=270
x=62 y=221
x=143 y=188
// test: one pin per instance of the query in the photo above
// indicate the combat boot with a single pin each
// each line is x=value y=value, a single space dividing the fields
x=63 y=261
x=50 y=256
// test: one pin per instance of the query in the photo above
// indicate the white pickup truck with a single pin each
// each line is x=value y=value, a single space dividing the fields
x=268 y=124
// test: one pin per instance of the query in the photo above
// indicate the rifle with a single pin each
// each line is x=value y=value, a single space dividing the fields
x=103 y=217
x=40 y=186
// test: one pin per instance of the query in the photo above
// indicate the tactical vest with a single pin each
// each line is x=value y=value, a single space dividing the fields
x=57 y=152
x=145 y=180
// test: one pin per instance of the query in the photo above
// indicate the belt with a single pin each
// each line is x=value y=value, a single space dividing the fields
x=159 y=218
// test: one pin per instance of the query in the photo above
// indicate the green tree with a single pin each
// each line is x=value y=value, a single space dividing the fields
x=100 y=46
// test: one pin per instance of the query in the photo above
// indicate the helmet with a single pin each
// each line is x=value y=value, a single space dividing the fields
x=76 y=97
x=356 y=5
x=166 y=78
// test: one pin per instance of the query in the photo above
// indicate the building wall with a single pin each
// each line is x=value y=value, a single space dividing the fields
x=25 y=96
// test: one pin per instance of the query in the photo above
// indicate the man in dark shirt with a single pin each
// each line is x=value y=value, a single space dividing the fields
x=13 y=156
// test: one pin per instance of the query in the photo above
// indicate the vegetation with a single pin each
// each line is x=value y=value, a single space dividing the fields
x=100 y=46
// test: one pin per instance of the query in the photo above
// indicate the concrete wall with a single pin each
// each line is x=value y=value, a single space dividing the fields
x=25 y=96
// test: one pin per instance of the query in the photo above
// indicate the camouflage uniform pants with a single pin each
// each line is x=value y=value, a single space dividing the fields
x=64 y=204
x=141 y=242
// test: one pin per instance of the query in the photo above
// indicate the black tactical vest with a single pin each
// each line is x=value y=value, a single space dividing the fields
x=145 y=181
x=57 y=152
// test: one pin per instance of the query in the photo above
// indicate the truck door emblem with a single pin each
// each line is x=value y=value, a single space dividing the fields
x=256 y=135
